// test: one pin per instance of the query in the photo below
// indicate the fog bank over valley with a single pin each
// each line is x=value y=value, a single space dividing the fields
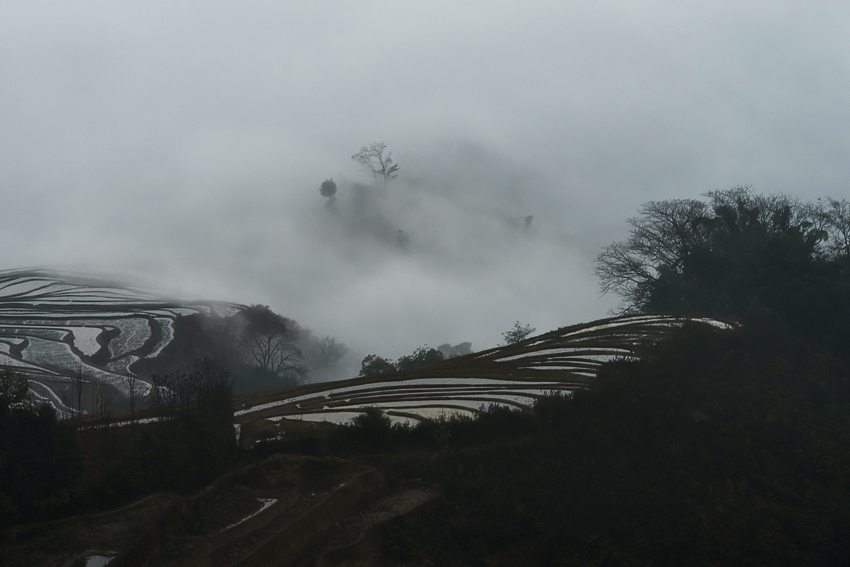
x=183 y=149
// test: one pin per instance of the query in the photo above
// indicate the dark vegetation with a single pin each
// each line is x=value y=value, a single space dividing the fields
x=39 y=459
x=42 y=470
x=48 y=469
x=738 y=255
x=373 y=364
x=261 y=349
x=713 y=447
x=517 y=333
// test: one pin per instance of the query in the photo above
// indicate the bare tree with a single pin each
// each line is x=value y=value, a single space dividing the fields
x=103 y=400
x=660 y=235
x=378 y=162
x=269 y=342
x=326 y=354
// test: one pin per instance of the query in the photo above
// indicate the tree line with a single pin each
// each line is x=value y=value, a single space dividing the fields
x=738 y=254
x=373 y=364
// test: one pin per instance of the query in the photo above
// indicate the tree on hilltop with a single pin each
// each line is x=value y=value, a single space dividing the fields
x=517 y=333
x=378 y=162
x=422 y=356
x=328 y=190
x=373 y=364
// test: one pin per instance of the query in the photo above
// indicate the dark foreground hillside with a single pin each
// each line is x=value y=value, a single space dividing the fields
x=722 y=450
x=717 y=448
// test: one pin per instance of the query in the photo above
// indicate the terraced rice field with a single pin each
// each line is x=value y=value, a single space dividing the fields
x=515 y=375
x=53 y=325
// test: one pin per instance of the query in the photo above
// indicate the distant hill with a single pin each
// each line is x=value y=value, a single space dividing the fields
x=54 y=325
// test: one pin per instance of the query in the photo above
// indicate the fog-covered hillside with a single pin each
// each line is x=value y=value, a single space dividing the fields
x=57 y=325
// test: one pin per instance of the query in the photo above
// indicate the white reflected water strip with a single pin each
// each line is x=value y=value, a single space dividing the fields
x=265 y=503
x=517 y=375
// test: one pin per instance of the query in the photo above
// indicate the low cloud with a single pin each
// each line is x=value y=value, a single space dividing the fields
x=185 y=147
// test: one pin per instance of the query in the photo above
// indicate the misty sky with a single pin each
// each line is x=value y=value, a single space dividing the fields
x=183 y=145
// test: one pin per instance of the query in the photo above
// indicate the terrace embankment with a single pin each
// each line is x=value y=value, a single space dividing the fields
x=285 y=510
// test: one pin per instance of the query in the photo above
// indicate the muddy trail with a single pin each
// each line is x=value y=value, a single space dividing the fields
x=286 y=510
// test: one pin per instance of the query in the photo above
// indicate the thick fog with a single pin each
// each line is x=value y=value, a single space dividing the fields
x=183 y=145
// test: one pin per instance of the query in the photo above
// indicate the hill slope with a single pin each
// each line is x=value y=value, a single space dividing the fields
x=515 y=375
x=56 y=324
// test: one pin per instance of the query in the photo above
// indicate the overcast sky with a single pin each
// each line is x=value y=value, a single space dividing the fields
x=183 y=143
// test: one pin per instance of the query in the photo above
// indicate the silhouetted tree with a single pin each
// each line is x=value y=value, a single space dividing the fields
x=79 y=381
x=373 y=364
x=517 y=333
x=714 y=257
x=328 y=189
x=378 y=162
x=660 y=236
x=422 y=356
x=225 y=332
x=835 y=218
x=132 y=384
x=269 y=342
